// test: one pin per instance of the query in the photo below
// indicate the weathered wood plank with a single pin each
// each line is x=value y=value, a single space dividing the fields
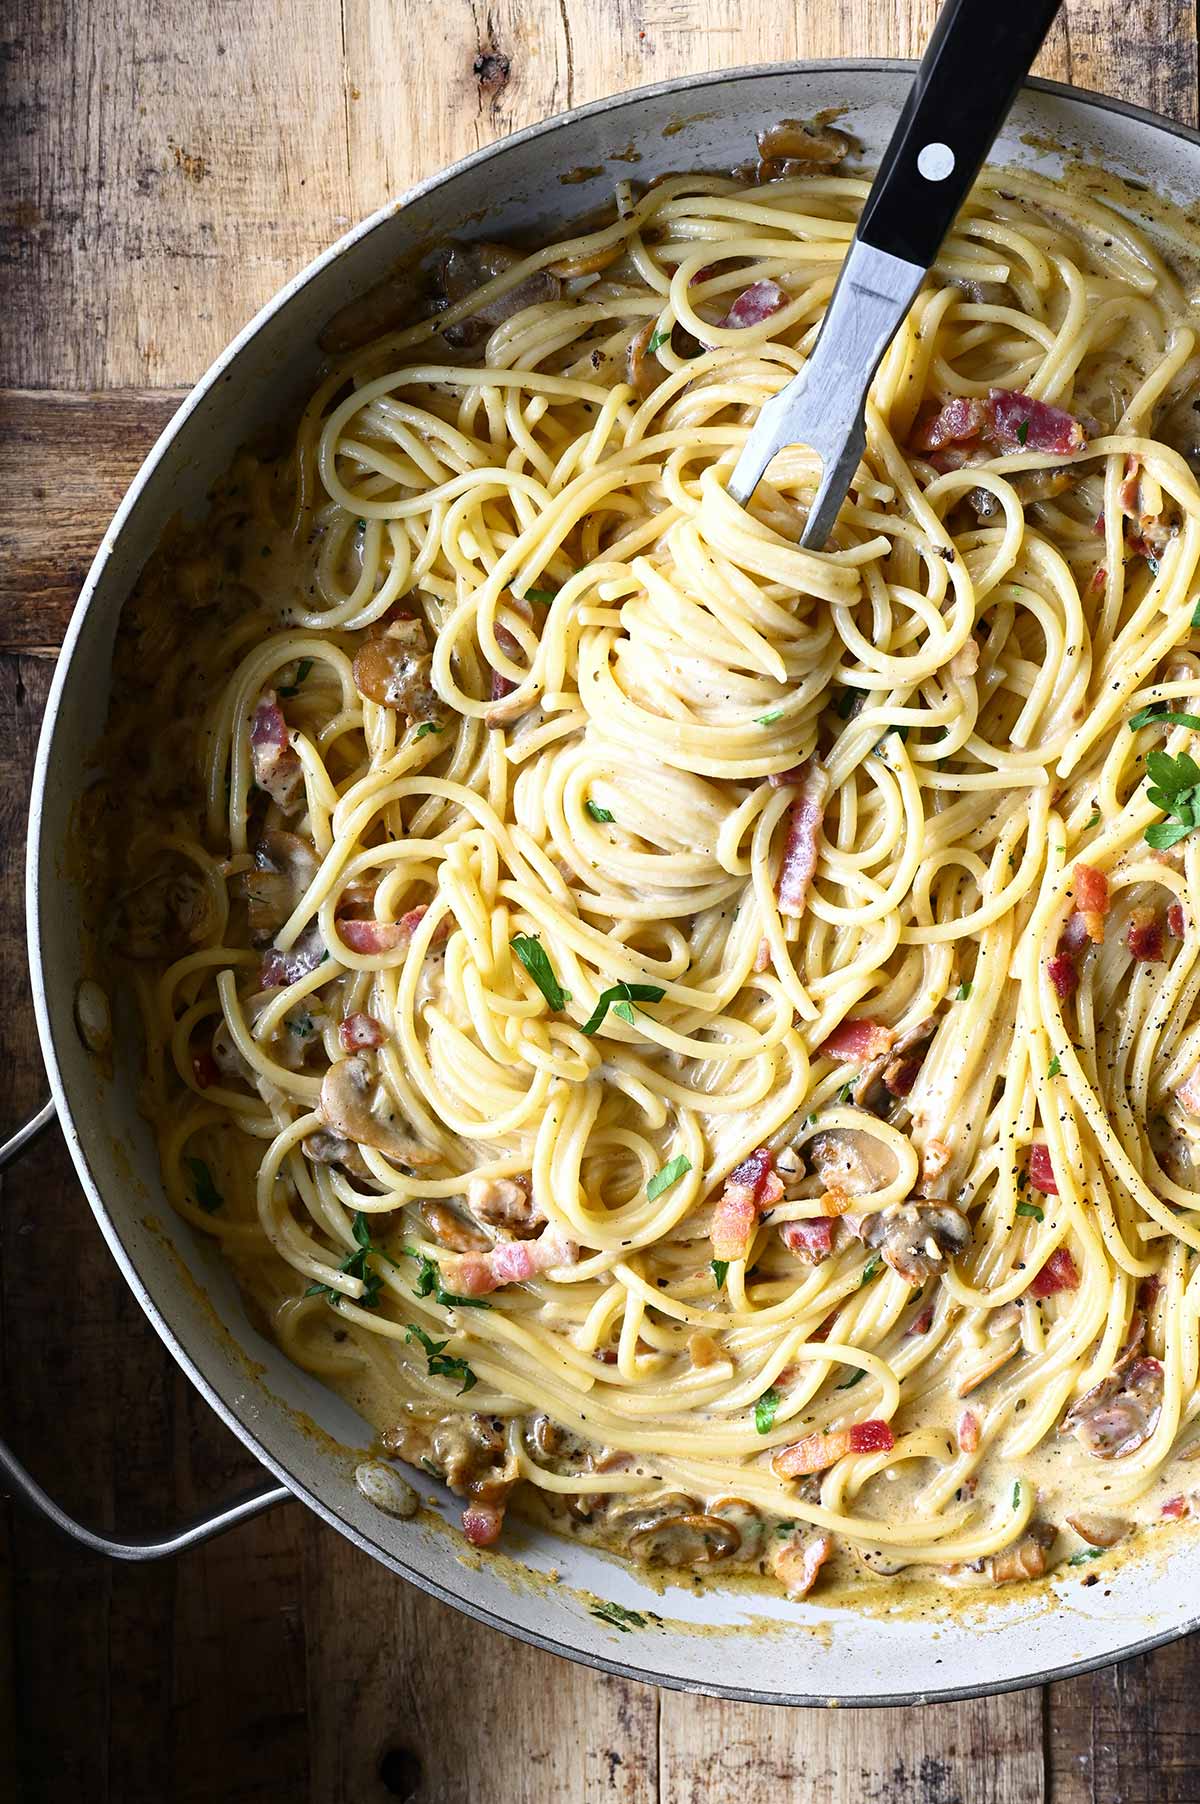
x=65 y=462
x=404 y=1691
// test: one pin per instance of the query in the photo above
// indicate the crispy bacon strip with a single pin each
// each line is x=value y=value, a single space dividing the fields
x=798 y=1562
x=277 y=768
x=755 y=304
x=368 y=937
x=959 y=422
x=358 y=1031
x=1059 y=1273
x=1063 y=974
x=811 y=1241
x=799 y=861
x=1041 y=1171
x=481 y=1524
x=968 y=1431
x=1007 y=421
x=750 y=1188
x=1091 y=896
x=1144 y=936
x=511 y=1262
x=817 y=1451
x=1176 y=921
x=279 y=968
x=858 y=1040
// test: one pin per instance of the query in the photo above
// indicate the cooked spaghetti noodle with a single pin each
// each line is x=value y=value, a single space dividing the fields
x=688 y=1026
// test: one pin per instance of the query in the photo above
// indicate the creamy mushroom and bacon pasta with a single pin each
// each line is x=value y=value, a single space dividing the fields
x=695 y=1034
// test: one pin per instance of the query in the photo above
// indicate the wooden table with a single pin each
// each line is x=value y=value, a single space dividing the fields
x=168 y=166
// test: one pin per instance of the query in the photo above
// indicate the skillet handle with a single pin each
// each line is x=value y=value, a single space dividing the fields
x=25 y=1487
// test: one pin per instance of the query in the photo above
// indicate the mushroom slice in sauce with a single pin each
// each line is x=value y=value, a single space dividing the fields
x=450 y=1230
x=392 y=670
x=1098 y=1530
x=1118 y=1415
x=808 y=145
x=890 y=1076
x=357 y=1105
x=850 y=1162
x=1026 y=1558
x=284 y=866
x=642 y=369
x=675 y=1531
x=469 y=266
x=506 y=1204
x=916 y=1239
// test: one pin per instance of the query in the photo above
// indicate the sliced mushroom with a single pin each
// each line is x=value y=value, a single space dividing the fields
x=804 y=144
x=1026 y=1558
x=164 y=916
x=745 y=1518
x=685 y=1540
x=468 y=267
x=357 y=1105
x=643 y=370
x=284 y=866
x=1099 y=1530
x=879 y=1561
x=1118 y=1415
x=392 y=669
x=915 y=1239
x=849 y=1162
x=324 y=1148
x=450 y=1230
x=506 y=1204
x=798 y=1561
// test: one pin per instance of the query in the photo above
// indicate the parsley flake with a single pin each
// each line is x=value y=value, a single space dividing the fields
x=428 y=726
x=768 y=720
x=1085 y=1554
x=442 y=1365
x=543 y=597
x=720 y=1271
x=856 y=1377
x=1175 y=788
x=670 y=1174
x=658 y=338
x=620 y=997
x=208 y=1197
x=597 y=813
x=619 y=1617
x=429 y=1283
x=870 y=1269
x=764 y=1410
x=1022 y=432
x=1016 y=1501
x=1032 y=1210
x=1054 y=1068
x=964 y=990
x=534 y=957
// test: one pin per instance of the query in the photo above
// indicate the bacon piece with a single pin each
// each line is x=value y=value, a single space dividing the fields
x=1188 y=1093
x=959 y=422
x=785 y=779
x=800 y=847
x=1048 y=429
x=482 y=1523
x=923 y=1322
x=1074 y=937
x=277 y=768
x=1059 y=1273
x=1091 y=894
x=750 y=1188
x=755 y=304
x=762 y=958
x=858 y=1040
x=1063 y=974
x=359 y=1030
x=1144 y=936
x=797 y=1563
x=1148 y=1291
x=503 y=711
x=817 y=1451
x=1176 y=921
x=279 y=968
x=511 y=1262
x=368 y=937
x=968 y=1431
x=1175 y=1508
x=205 y=1070
x=811 y=1241
x=1041 y=1171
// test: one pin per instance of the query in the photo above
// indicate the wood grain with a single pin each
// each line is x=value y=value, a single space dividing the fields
x=168 y=167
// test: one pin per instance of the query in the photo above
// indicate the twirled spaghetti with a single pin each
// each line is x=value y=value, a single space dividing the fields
x=687 y=1025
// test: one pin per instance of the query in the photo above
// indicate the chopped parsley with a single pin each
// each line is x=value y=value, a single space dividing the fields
x=964 y=990
x=428 y=726
x=1022 y=432
x=870 y=1269
x=208 y=1197
x=533 y=956
x=1032 y=1210
x=1196 y=616
x=302 y=670
x=441 y=1365
x=1175 y=788
x=844 y=1094
x=1016 y=1503
x=1054 y=1068
x=597 y=813
x=670 y=1174
x=1084 y=1554
x=658 y=338
x=768 y=720
x=901 y=733
x=855 y=1378
x=764 y=1410
x=429 y=1283
x=621 y=997
x=1157 y=714
x=848 y=703
x=783 y=1528
x=543 y=597
x=619 y=1617
x=720 y=1271
x=355 y=1265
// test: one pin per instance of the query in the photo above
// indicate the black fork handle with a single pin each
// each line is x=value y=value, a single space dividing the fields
x=978 y=55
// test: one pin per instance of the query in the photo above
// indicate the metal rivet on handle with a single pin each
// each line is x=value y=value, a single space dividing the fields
x=936 y=162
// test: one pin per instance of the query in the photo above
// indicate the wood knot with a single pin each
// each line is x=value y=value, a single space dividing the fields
x=491 y=71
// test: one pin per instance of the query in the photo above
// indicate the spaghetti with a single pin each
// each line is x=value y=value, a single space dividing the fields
x=701 y=1031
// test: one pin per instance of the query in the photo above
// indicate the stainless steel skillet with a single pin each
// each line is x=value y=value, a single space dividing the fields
x=712 y=1641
